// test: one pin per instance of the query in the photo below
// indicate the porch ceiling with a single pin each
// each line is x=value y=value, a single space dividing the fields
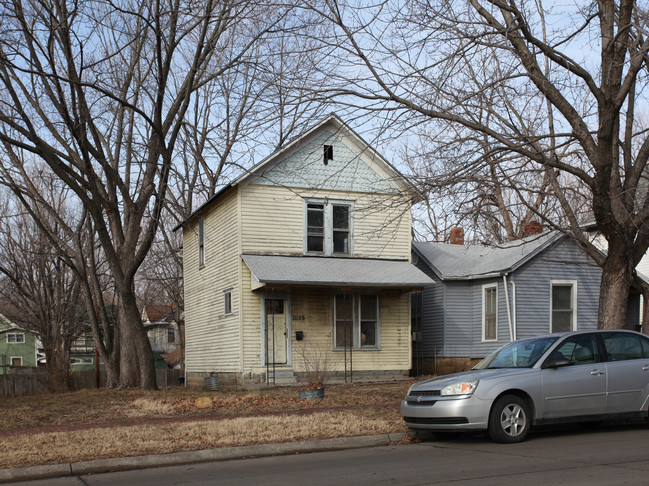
x=334 y=272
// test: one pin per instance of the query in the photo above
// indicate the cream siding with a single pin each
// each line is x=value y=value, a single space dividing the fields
x=316 y=305
x=212 y=338
x=273 y=221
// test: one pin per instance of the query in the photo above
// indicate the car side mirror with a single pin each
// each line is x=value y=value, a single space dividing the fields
x=557 y=363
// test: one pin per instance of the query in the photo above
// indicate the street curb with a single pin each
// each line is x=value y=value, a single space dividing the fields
x=208 y=455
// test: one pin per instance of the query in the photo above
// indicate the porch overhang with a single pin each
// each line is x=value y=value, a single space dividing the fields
x=268 y=270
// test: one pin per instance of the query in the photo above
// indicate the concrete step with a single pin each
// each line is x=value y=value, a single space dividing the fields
x=281 y=377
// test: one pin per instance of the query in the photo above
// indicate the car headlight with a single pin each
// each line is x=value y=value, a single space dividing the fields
x=460 y=388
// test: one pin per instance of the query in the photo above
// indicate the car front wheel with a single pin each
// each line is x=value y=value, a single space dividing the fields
x=509 y=420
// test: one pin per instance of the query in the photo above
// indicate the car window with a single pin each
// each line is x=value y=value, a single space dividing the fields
x=519 y=354
x=622 y=346
x=645 y=347
x=578 y=350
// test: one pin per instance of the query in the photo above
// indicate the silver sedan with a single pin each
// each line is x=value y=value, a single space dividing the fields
x=582 y=376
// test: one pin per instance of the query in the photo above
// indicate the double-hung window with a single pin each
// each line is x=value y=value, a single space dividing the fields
x=328 y=227
x=15 y=338
x=564 y=305
x=490 y=312
x=356 y=321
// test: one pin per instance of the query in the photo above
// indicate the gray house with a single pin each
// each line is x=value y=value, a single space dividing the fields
x=485 y=297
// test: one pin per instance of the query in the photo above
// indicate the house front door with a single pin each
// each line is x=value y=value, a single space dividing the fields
x=276 y=331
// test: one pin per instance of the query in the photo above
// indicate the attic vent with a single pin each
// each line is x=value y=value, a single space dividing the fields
x=328 y=153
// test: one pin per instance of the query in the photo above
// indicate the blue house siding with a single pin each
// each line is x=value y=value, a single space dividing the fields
x=432 y=327
x=562 y=261
x=459 y=319
x=456 y=328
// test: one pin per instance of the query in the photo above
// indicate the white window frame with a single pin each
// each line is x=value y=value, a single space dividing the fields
x=356 y=323
x=201 y=243
x=16 y=335
x=11 y=360
x=485 y=288
x=171 y=332
x=328 y=244
x=227 y=302
x=81 y=360
x=565 y=283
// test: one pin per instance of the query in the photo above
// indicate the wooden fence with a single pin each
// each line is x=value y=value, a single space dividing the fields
x=34 y=381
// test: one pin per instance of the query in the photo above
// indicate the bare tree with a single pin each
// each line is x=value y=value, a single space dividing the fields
x=583 y=67
x=39 y=291
x=100 y=91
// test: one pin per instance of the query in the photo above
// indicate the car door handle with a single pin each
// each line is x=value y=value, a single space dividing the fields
x=597 y=372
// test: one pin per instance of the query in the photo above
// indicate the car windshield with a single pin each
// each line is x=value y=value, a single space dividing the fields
x=519 y=354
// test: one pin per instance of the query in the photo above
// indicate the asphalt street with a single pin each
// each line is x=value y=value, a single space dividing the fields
x=613 y=454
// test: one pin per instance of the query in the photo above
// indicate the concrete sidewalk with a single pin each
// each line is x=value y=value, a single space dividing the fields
x=179 y=458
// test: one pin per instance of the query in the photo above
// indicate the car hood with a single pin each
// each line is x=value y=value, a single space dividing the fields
x=440 y=382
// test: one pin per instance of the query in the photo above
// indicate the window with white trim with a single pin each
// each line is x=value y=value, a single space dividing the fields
x=15 y=337
x=16 y=360
x=356 y=322
x=328 y=227
x=201 y=243
x=171 y=336
x=82 y=361
x=490 y=312
x=227 y=302
x=564 y=305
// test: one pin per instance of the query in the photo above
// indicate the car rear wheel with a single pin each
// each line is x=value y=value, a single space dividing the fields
x=509 y=420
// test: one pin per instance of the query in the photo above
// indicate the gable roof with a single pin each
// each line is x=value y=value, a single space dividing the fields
x=338 y=127
x=459 y=262
x=160 y=314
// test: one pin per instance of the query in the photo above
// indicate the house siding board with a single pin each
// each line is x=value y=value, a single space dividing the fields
x=460 y=317
x=432 y=325
x=562 y=261
x=273 y=221
x=211 y=337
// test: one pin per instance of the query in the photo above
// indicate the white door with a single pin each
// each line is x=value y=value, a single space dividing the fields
x=275 y=320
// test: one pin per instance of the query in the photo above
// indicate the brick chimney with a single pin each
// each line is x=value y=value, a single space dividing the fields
x=457 y=236
x=533 y=228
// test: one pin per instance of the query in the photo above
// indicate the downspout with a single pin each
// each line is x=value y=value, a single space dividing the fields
x=514 y=311
x=509 y=311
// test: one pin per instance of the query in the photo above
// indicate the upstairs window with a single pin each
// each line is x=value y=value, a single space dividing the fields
x=15 y=338
x=227 y=302
x=201 y=243
x=340 y=228
x=171 y=336
x=315 y=228
x=328 y=228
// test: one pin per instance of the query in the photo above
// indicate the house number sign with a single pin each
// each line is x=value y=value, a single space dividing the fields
x=299 y=317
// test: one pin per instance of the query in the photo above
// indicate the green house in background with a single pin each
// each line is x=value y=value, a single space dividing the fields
x=17 y=346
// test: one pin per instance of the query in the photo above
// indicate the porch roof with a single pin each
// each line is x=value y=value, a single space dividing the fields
x=334 y=272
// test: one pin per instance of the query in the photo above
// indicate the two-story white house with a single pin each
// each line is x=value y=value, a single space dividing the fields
x=308 y=252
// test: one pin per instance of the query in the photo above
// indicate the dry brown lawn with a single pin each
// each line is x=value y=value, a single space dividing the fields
x=95 y=424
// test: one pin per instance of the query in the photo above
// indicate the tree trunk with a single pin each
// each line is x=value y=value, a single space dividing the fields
x=614 y=289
